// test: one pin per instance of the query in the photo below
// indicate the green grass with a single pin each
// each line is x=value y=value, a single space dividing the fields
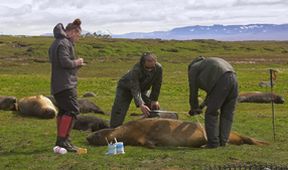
x=26 y=143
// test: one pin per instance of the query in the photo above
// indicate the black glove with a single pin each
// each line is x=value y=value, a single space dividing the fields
x=195 y=112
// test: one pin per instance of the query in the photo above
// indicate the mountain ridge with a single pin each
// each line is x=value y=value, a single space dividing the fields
x=217 y=32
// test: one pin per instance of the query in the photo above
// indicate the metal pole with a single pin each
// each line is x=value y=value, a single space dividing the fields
x=272 y=102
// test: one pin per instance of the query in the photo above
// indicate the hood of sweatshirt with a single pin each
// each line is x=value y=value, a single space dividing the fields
x=59 y=31
x=196 y=60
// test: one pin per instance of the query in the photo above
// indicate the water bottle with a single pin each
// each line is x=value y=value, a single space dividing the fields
x=59 y=150
x=111 y=149
x=120 y=148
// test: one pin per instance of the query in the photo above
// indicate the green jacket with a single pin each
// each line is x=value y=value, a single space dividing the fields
x=139 y=81
x=204 y=73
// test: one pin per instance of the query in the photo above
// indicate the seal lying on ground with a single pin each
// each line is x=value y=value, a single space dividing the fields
x=7 y=103
x=37 y=106
x=85 y=105
x=259 y=97
x=162 y=132
x=91 y=123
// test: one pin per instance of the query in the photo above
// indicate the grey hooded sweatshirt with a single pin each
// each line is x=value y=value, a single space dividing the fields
x=63 y=65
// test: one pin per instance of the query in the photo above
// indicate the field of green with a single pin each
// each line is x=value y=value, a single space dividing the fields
x=26 y=143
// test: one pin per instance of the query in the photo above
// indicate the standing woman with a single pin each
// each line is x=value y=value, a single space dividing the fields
x=64 y=66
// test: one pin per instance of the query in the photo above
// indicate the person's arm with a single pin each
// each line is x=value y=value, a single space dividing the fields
x=136 y=92
x=135 y=87
x=156 y=87
x=193 y=88
x=65 y=60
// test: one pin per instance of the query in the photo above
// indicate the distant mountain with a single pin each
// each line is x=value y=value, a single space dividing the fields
x=84 y=32
x=217 y=32
x=47 y=34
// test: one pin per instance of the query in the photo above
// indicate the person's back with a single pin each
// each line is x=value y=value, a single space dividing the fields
x=217 y=77
x=209 y=70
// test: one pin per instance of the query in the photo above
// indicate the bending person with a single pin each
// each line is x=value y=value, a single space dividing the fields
x=135 y=84
x=218 y=79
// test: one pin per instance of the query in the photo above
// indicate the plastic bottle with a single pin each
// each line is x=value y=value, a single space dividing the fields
x=120 y=148
x=111 y=149
x=59 y=150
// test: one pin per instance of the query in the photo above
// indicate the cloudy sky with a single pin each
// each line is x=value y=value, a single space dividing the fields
x=35 y=17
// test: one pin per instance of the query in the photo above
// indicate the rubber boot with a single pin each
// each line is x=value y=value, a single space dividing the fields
x=68 y=139
x=63 y=134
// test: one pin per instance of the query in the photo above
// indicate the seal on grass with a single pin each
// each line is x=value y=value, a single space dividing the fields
x=37 y=106
x=162 y=132
x=85 y=105
x=89 y=123
x=8 y=103
x=259 y=97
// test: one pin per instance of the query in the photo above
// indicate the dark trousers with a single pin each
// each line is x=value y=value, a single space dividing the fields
x=67 y=102
x=222 y=98
x=68 y=109
x=121 y=105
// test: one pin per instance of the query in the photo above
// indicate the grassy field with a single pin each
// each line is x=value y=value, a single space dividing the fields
x=26 y=143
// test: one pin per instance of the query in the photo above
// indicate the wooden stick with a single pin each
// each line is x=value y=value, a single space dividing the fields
x=272 y=103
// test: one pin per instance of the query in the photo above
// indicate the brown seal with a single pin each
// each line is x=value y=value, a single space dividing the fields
x=259 y=97
x=89 y=123
x=162 y=132
x=37 y=106
x=85 y=105
x=8 y=103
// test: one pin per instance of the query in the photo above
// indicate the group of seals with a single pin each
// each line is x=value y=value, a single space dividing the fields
x=85 y=106
x=42 y=106
x=149 y=132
